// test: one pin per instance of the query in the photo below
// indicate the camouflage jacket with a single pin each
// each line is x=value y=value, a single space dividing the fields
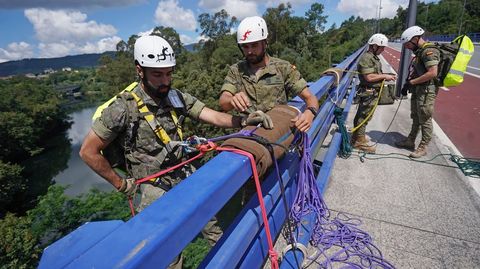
x=425 y=57
x=123 y=126
x=274 y=84
x=369 y=63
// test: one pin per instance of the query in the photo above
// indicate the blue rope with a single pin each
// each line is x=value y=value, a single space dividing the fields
x=345 y=147
x=338 y=240
x=469 y=166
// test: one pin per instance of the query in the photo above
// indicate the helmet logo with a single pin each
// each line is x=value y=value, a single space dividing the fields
x=163 y=56
x=245 y=35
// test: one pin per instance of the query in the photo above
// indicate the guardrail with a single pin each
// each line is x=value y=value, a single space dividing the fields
x=155 y=236
x=475 y=37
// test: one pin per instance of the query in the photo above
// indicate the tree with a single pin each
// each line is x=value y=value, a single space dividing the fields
x=216 y=26
x=172 y=37
x=11 y=182
x=315 y=17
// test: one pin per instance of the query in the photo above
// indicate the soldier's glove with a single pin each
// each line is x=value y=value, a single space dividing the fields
x=129 y=187
x=407 y=87
x=258 y=117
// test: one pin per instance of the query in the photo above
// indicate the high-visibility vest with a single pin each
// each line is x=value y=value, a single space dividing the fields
x=458 y=68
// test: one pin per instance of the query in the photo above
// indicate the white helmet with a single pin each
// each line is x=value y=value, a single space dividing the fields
x=410 y=33
x=379 y=40
x=153 y=51
x=252 y=29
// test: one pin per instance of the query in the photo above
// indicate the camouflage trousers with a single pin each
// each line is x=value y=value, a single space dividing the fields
x=150 y=193
x=366 y=104
x=421 y=106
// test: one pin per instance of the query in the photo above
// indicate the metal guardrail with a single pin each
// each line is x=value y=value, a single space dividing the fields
x=475 y=37
x=159 y=233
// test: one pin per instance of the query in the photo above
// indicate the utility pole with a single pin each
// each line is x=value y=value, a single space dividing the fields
x=379 y=15
x=461 y=17
x=406 y=54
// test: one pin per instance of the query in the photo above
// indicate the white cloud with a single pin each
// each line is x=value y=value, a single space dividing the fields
x=64 y=48
x=9 y=4
x=369 y=9
x=104 y=44
x=170 y=14
x=237 y=8
x=66 y=32
x=148 y=32
x=16 y=51
x=275 y=3
x=186 y=39
x=53 y=25
x=58 y=49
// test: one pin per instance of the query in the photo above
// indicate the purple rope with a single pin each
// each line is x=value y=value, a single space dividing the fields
x=338 y=240
x=234 y=135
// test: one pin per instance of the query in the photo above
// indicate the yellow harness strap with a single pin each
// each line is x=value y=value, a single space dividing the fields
x=99 y=110
x=150 y=118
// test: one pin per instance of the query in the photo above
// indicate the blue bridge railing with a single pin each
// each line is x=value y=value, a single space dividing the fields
x=155 y=236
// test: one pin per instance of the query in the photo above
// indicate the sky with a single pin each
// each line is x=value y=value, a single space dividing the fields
x=56 y=28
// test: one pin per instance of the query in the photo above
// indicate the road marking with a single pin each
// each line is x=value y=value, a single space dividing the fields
x=472 y=74
x=473 y=67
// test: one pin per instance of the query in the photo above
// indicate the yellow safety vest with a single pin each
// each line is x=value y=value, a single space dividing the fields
x=459 y=66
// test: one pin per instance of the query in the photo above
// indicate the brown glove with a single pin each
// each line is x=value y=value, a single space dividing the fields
x=258 y=117
x=129 y=187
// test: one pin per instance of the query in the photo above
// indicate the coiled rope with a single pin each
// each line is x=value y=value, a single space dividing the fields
x=338 y=240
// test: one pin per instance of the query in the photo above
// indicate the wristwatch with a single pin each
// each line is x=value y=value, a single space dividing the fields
x=313 y=110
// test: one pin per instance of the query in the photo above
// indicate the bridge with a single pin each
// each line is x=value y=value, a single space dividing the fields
x=420 y=214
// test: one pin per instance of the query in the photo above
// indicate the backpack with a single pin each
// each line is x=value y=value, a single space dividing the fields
x=388 y=95
x=454 y=58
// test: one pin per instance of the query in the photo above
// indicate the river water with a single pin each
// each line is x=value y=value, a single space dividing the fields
x=78 y=176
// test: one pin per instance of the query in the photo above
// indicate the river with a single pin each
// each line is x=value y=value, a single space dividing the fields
x=78 y=176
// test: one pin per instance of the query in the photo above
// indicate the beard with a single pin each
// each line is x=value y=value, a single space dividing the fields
x=160 y=91
x=255 y=59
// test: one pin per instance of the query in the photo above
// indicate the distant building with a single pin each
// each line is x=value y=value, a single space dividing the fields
x=67 y=69
x=72 y=91
x=48 y=71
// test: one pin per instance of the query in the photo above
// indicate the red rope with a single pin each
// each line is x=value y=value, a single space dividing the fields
x=271 y=251
x=209 y=146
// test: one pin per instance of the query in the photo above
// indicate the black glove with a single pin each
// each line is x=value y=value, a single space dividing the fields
x=407 y=87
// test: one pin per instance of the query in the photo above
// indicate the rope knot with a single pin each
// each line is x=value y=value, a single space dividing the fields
x=206 y=147
x=273 y=258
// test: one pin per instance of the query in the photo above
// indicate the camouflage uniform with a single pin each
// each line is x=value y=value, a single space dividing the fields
x=368 y=92
x=122 y=124
x=423 y=95
x=274 y=84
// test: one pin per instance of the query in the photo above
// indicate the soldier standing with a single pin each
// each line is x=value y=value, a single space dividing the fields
x=424 y=90
x=371 y=77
